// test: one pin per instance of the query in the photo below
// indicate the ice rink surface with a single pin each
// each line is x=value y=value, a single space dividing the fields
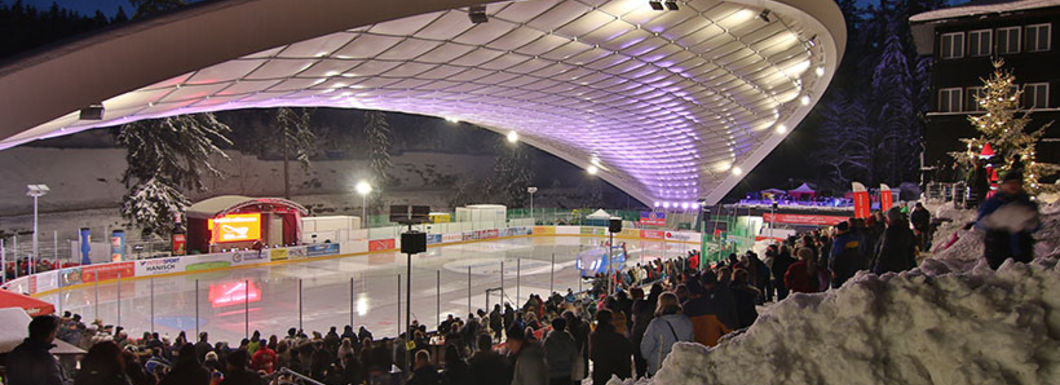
x=439 y=275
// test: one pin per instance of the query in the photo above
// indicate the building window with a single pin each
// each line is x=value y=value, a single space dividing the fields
x=973 y=101
x=1008 y=40
x=979 y=42
x=1039 y=37
x=1036 y=95
x=952 y=46
x=950 y=99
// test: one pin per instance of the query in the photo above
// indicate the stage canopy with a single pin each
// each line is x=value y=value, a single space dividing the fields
x=671 y=106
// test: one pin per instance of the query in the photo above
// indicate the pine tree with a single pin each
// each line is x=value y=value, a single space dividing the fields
x=154 y=7
x=1005 y=129
x=512 y=174
x=895 y=115
x=166 y=156
x=377 y=130
x=297 y=138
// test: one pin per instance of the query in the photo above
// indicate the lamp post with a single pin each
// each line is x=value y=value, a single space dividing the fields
x=364 y=189
x=532 y=190
x=35 y=191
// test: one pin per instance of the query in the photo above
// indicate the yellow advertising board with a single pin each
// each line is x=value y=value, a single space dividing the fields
x=236 y=228
x=544 y=230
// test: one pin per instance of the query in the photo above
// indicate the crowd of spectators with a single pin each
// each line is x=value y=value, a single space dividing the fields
x=624 y=327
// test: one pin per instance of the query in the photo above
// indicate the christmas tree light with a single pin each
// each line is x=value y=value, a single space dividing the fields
x=1003 y=127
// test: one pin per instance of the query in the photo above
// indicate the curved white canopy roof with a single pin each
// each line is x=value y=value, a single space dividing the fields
x=670 y=106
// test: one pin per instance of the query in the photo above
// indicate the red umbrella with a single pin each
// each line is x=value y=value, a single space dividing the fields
x=34 y=307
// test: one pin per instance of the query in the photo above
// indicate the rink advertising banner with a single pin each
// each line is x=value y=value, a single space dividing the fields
x=652 y=218
x=70 y=276
x=803 y=219
x=94 y=273
x=544 y=230
x=381 y=244
x=592 y=230
x=682 y=236
x=207 y=262
x=434 y=239
x=653 y=234
x=322 y=249
x=278 y=254
x=155 y=266
x=569 y=230
x=250 y=257
x=452 y=237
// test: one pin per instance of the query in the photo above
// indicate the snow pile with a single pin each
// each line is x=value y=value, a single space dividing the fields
x=951 y=321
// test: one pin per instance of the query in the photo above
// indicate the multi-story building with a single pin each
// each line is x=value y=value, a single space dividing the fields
x=962 y=42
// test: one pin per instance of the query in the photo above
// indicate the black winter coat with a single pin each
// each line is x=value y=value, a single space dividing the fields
x=611 y=353
x=896 y=250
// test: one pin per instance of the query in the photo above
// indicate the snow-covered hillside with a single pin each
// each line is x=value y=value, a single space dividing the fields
x=953 y=320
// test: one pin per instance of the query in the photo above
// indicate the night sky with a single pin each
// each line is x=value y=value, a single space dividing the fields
x=110 y=7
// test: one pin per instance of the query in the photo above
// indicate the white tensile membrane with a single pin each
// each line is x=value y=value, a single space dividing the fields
x=953 y=320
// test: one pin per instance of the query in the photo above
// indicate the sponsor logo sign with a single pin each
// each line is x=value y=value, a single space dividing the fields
x=250 y=257
x=236 y=228
x=452 y=237
x=652 y=218
x=652 y=234
x=145 y=267
x=433 y=239
x=544 y=230
x=95 y=273
x=490 y=234
x=70 y=276
x=803 y=219
x=568 y=229
x=381 y=244
x=682 y=236
x=322 y=249
x=590 y=230
x=207 y=261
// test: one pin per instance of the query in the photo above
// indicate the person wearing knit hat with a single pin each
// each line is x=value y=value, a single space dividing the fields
x=1009 y=220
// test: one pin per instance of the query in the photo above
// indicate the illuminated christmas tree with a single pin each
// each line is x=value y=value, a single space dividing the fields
x=1003 y=127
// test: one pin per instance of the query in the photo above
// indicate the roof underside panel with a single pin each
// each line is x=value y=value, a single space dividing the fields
x=671 y=106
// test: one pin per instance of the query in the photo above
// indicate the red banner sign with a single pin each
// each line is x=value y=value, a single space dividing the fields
x=93 y=273
x=862 y=208
x=803 y=219
x=886 y=198
x=653 y=234
x=381 y=244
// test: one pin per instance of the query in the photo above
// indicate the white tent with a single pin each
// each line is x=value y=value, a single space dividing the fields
x=599 y=214
x=16 y=329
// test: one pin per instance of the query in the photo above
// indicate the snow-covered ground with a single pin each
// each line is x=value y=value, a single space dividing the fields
x=953 y=320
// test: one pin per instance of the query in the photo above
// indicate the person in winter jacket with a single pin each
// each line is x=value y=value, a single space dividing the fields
x=264 y=359
x=803 y=276
x=610 y=351
x=529 y=359
x=187 y=370
x=780 y=266
x=1009 y=219
x=580 y=331
x=704 y=310
x=897 y=248
x=560 y=353
x=921 y=220
x=669 y=326
x=746 y=298
x=487 y=366
x=30 y=362
x=102 y=365
x=424 y=373
x=457 y=371
x=845 y=259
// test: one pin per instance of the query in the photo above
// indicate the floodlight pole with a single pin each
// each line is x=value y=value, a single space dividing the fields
x=364 y=209
x=610 y=262
x=532 y=190
x=32 y=269
x=408 y=309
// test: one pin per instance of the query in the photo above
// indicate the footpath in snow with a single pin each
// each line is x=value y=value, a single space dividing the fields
x=953 y=320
